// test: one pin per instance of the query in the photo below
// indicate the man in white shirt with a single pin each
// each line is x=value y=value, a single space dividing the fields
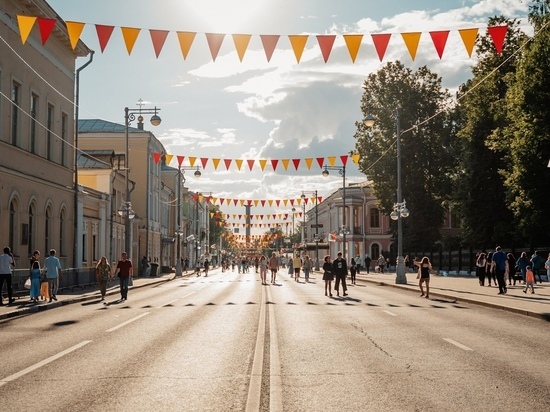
x=7 y=263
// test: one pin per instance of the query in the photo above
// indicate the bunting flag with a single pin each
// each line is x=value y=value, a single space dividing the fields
x=298 y=42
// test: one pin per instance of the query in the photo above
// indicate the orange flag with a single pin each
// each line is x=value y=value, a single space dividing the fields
x=286 y=163
x=215 y=41
x=411 y=41
x=168 y=159
x=262 y=164
x=241 y=43
x=469 y=37
x=103 y=35
x=239 y=163
x=381 y=43
x=130 y=35
x=439 y=39
x=74 y=28
x=353 y=42
x=331 y=160
x=192 y=160
x=355 y=158
x=26 y=24
x=216 y=162
x=185 y=39
x=269 y=42
x=158 y=37
x=326 y=41
x=298 y=43
x=308 y=161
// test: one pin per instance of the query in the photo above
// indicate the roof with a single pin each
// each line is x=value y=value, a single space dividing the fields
x=87 y=161
x=102 y=126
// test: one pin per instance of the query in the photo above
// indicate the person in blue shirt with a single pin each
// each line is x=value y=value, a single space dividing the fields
x=536 y=265
x=500 y=266
x=52 y=267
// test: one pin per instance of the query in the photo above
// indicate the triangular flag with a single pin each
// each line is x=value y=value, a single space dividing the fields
x=186 y=40
x=411 y=41
x=355 y=158
x=156 y=157
x=298 y=43
x=158 y=37
x=215 y=41
x=320 y=161
x=46 y=26
x=241 y=43
x=381 y=43
x=308 y=161
x=216 y=162
x=469 y=37
x=250 y=163
x=286 y=163
x=204 y=161
x=262 y=164
x=296 y=163
x=439 y=39
x=274 y=163
x=331 y=160
x=168 y=159
x=26 y=24
x=227 y=163
x=498 y=34
x=180 y=160
x=74 y=28
x=103 y=35
x=192 y=160
x=353 y=42
x=130 y=35
x=344 y=159
x=239 y=163
x=269 y=42
x=326 y=41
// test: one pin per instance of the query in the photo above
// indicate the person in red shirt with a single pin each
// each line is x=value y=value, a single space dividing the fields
x=125 y=271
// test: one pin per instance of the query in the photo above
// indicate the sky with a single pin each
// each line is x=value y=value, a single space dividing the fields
x=259 y=109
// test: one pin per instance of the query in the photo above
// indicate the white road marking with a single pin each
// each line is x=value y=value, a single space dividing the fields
x=454 y=342
x=127 y=322
x=389 y=313
x=255 y=387
x=275 y=381
x=43 y=363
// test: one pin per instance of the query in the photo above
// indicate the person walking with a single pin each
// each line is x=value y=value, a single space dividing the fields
x=306 y=267
x=367 y=263
x=273 y=267
x=547 y=267
x=52 y=267
x=328 y=277
x=499 y=265
x=7 y=263
x=206 y=265
x=424 y=269
x=297 y=265
x=125 y=271
x=103 y=274
x=358 y=264
x=352 y=271
x=511 y=268
x=35 y=275
x=529 y=280
x=481 y=266
x=263 y=269
x=522 y=263
x=340 y=271
x=536 y=264
x=186 y=264
x=381 y=263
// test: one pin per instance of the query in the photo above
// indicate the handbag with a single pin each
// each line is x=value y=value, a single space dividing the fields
x=27 y=284
x=131 y=281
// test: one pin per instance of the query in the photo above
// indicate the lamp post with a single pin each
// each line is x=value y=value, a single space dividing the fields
x=179 y=232
x=130 y=116
x=316 y=237
x=400 y=210
x=293 y=211
x=343 y=230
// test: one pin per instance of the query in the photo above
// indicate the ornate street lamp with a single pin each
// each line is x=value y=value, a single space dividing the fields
x=342 y=230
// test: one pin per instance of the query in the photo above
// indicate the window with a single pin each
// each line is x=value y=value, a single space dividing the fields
x=94 y=248
x=374 y=217
x=15 y=101
x=454 y=219
x=30 y=235
x=34 y=111
x=64 y=144
x=13 y=223
x=47 y=231
x=375 y=251
x=49 y=133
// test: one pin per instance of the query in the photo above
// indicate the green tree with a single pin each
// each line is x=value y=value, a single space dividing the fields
x=426 y=147
x=479 y=193
x=525 y=141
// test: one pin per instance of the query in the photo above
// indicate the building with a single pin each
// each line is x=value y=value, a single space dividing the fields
x=37 y=85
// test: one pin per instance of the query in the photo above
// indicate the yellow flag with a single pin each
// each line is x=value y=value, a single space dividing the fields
x=353 y=41
x=411 y=41
x=26 y=24
x=298 y=42
x=469 y=37
x=75 y=30
x=241 y=43
x=130 y=35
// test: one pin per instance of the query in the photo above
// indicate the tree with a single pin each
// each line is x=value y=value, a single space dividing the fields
x=479 y=193
x=427 y=152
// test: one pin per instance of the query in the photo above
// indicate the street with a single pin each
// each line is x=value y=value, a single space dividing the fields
x=227 y=343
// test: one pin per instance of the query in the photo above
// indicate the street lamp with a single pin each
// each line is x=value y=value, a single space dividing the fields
x=293 y=211
x=128 y=213
x=179 y=231
x=316 y=237
x=343 y=230
x=400 y=210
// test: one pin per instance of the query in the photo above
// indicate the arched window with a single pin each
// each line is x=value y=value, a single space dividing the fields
x=374 y=217
x=13 y=223
x=375 y=251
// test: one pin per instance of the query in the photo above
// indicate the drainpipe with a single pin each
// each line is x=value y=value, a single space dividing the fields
x=77 y=226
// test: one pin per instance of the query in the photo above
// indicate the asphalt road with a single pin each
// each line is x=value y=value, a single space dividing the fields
x=227 y=343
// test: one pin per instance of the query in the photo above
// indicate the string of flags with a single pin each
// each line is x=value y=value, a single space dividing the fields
x=198 y=197
x=269 y=42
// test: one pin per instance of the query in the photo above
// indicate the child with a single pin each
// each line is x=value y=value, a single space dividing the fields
x=529 y=280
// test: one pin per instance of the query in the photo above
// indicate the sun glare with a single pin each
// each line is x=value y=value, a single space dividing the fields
x=222 y=16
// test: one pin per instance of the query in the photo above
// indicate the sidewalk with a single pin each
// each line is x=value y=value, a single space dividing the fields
x=459 y=289
x=23 y=306
x=467 y=289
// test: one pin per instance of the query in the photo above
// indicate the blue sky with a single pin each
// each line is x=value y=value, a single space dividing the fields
x=256 y=109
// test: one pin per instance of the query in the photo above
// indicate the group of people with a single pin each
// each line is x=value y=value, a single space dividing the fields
x=336 y=270
x=502 y=269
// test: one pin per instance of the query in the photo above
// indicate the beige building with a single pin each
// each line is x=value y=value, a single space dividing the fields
x=37 y=85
